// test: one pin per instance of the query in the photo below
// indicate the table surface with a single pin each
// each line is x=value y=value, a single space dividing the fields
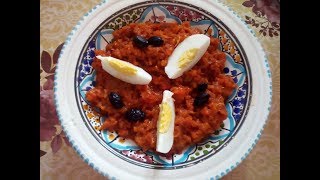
x=57 y=158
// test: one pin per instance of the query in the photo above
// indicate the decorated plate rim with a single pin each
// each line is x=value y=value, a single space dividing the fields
x=84 y=155
x=183 y=162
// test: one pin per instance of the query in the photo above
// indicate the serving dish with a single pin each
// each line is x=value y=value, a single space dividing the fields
x=248 y=107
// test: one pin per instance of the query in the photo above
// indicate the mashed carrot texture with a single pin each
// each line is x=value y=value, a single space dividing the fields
x=192 y=124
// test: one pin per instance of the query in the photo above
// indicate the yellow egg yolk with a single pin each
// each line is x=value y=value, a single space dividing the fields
x=122 y=67
x=187 y=57
x=164 y=117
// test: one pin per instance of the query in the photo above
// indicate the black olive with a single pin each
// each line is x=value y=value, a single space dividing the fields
x=202 y=87
x=155 y=41
x=115 y=100
x=201 y=100
x=135 y=114
x=140 y=41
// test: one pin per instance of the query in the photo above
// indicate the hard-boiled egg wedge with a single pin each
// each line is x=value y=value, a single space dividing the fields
x=186 y=55
x=125 y=71
x=165 y=124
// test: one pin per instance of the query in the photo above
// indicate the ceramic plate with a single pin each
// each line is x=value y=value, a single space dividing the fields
x=115 y=157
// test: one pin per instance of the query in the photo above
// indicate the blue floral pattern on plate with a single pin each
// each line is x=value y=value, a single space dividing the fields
x=235 y=106
x=104 y=38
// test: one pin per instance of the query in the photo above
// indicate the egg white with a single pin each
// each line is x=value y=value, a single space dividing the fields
x=140 y=77
x=199 y=41
x=165 y=140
